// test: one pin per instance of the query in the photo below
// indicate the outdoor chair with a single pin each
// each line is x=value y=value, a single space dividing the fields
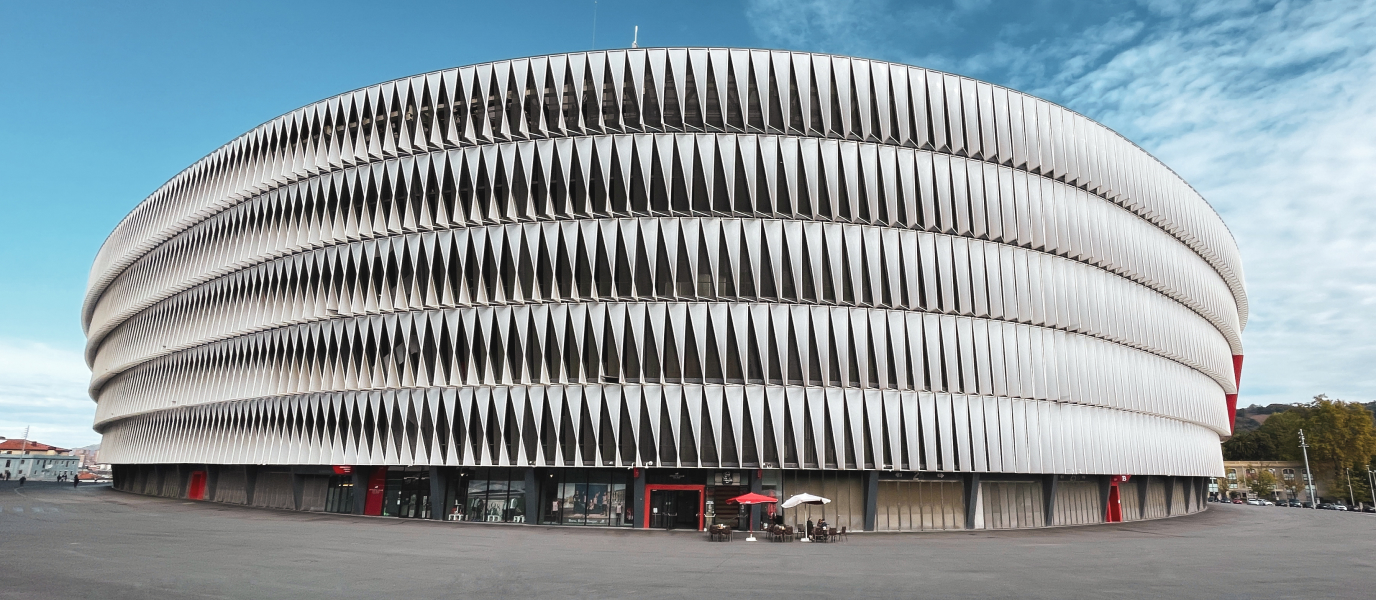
x=788 y=532
x=831 y=534
x=844 y=534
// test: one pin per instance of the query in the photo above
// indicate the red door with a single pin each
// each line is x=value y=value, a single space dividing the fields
x=377 y=485
x=195 y=489
x=1115 y=507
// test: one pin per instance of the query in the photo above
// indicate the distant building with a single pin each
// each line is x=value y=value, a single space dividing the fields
x=89 y=457
x=1289 y=476
x=36 y=461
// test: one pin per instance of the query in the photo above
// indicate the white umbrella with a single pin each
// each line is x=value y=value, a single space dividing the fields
x=804 y=499
x=808 y=499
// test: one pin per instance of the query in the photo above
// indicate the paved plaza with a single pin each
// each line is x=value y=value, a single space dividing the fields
x=95 y=542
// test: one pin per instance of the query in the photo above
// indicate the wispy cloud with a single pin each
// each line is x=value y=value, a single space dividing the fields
x=45 y=388
x=1268 y=109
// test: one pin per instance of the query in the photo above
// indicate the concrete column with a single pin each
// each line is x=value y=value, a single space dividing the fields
x=1049 y=500
x=1105 y=486
x=871 y=499
x=298 y=489
x=183 y=475
x=1142 y=496
x=532 y=497
x=250 y=481
x=439 y=486
x=1170 y=495
x=360 y=476
x=642 y=520
x=974 y=502
x=212 y=481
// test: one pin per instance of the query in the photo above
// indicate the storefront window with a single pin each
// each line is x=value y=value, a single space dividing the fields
x=488 y=494
x=595 y=497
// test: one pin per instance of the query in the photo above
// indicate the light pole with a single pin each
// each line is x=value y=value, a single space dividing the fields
x=1308 y=476
x=1350 y=499
x=1371 y=483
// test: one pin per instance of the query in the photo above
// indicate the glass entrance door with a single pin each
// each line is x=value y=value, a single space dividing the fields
x=675 y=509
x=408 y=493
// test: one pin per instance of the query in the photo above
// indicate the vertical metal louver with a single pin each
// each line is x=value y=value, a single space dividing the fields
x=697 y=257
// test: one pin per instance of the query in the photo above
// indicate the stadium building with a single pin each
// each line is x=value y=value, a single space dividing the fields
x=618 y=288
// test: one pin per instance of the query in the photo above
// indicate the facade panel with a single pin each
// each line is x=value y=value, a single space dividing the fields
x=670 y=258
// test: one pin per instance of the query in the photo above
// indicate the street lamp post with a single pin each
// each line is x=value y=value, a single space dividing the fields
x=1350 y=499
x=1371 y=483
x=1308 y=476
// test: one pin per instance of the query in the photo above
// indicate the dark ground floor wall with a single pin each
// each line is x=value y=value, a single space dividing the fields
x=679 y=498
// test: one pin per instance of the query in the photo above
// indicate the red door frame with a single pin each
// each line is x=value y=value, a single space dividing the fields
x=1115 y=506
x=377 y=486
x=700 y=489
x=195 y=488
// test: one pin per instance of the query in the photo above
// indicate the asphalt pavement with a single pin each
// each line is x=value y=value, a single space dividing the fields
x=57 y=542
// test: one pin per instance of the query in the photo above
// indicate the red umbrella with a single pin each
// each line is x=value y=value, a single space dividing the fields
x=752 y=498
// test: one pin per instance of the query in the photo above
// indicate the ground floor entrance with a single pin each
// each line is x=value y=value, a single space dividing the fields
x=674 y=506
x=407 y=492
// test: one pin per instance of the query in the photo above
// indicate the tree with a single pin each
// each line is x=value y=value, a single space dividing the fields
x=1264 y=484
x=1283 y=428
x=1222 y=483
x=1251 y=445
x=1340 y=434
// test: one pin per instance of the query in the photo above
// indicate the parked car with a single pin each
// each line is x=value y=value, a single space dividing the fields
x=1237 y=501
x=1306 y=505
x=1369 y=509
x=1267 y=503
x=1254 y=502
x=1293 y=503
x=1342 y=507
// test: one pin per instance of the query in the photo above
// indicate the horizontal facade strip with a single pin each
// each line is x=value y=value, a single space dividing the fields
x=670 y=426
x=672 y=343
x=650 y=175
x=659 y=90
x=711 y=260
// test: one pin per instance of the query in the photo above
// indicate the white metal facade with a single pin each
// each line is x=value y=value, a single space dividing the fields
x=689 y=257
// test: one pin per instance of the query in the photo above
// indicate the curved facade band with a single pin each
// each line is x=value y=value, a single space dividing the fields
x=693 y=259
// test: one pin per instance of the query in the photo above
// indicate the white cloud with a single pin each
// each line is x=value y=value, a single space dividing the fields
x=1269 y=110
x=44 y=388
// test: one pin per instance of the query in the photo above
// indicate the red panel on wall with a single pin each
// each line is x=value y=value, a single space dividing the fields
x=1231 y=399
x=195 y=489
x=377 y=486
x=1115 y=507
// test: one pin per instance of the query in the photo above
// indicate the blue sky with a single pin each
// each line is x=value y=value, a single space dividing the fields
x=1267 y=108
